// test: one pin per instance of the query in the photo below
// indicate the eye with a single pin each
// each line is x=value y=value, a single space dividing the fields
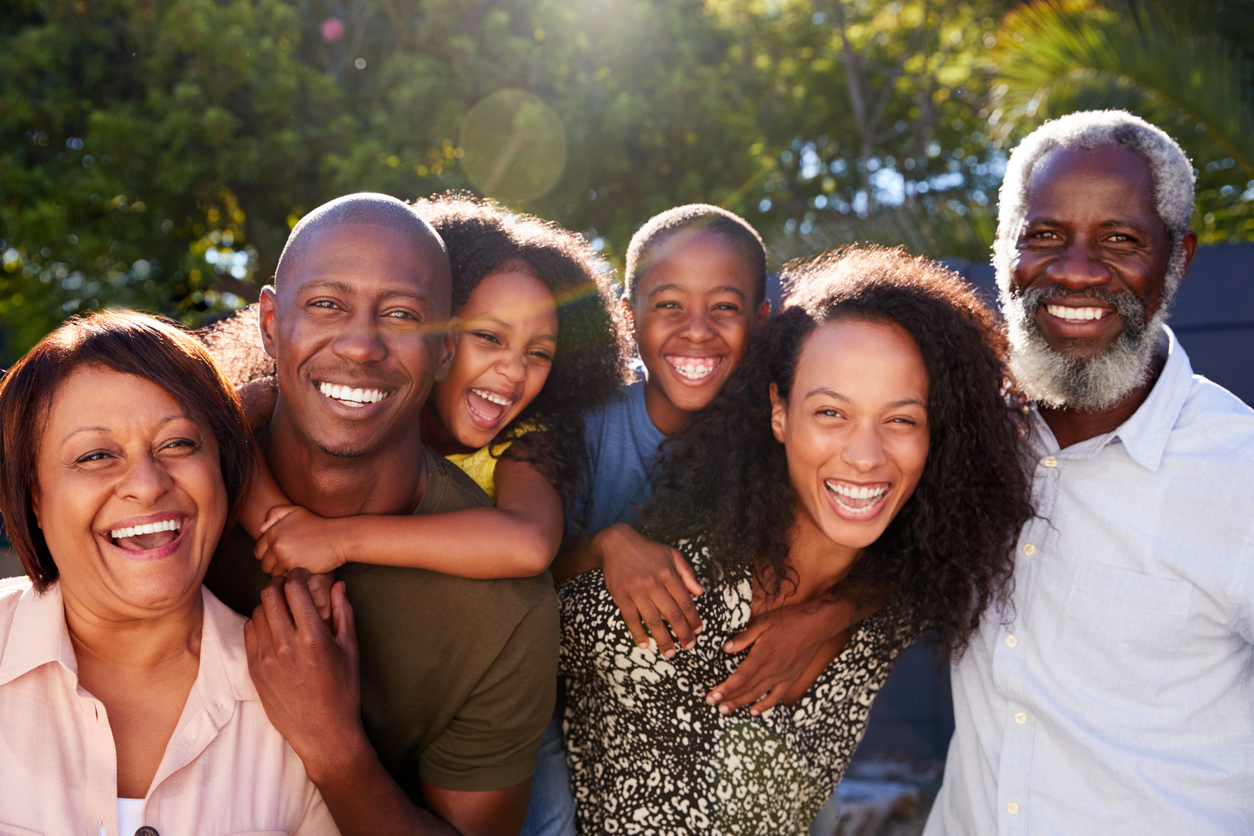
x=728 y=307
x=403 y=315
x=486 y=336
x=541 y=354
x=93 y=456
x=910 y=422
x=829 y=412
x=667 y=306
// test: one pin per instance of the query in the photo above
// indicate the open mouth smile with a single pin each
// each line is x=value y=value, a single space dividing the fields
x=694 y=370
x=486 y=407
x=353 y=397
x=857 y=500
x=1068 y=314
x=148 y=536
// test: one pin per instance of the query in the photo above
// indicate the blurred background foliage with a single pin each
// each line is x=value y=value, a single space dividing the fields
x=155 y=153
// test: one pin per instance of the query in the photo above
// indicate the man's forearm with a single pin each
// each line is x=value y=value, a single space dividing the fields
x=363 y=798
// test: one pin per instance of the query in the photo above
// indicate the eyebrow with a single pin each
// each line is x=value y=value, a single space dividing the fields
x=727 y=288
x=106 y=430
x=833 y=394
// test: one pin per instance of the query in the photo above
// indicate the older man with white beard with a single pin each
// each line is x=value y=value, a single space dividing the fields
x=1116 y=692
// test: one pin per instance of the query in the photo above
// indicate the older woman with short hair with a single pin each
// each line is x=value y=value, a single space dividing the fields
x=124 y=686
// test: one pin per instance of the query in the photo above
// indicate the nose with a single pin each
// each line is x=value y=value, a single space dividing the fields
x=144 y=481
x=864 y=450
x=1078 y=266
x=512 y=367
x=697 y=327
x=360 y=341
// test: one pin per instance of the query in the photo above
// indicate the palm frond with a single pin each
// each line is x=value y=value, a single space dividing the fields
x=1057 y=56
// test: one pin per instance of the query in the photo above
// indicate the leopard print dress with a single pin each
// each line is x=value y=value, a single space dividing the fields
x=647 y=756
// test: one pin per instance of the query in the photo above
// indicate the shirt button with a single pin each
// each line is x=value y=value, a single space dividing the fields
x=1011 y=641
x=1050 y=461
x=1021 y=717
x=147 y=831
x=1029 y=548
x=1012 y=808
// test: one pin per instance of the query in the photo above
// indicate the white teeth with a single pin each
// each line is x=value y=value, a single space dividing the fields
x=349 y=396
x=694 y=370
x=1076 y=314
x=856 y=493
x=493 y=397
x=147 y=528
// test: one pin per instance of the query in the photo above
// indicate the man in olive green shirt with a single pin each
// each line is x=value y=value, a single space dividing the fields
x=457 y=676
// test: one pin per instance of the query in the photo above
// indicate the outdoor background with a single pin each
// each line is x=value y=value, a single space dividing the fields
x=155 y=153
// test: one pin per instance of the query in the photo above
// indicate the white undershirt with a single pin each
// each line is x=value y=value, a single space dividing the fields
x=128 y=816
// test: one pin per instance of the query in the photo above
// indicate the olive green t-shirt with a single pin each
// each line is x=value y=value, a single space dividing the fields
x=457 y=676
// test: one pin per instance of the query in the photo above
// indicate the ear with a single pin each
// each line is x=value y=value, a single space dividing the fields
x=266 y=319
x=628 y=311
x=1188 y=244
x=763 y=314
x=448 y=349
x=779 y=414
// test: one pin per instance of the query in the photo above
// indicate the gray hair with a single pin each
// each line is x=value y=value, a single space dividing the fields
x=368 y=208
x=1169 y=168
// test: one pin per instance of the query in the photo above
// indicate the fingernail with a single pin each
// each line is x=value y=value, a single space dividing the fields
x=689 y=645
x=727 y=646
x=724 y=709
x=714 y=698
x=642 y=645
x=754 y=712
x=697 y=630
x=669 y=652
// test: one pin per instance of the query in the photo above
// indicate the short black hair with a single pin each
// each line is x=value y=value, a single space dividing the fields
x=362 y=208
x=126 y=342
x=647 y=245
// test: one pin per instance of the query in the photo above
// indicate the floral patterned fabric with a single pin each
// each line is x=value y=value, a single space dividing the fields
x=647 y=755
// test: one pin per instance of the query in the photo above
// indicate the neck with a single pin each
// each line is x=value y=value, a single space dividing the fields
x=384 y=481
x=818 y=564
x=1072 y=426
x=105 y=641
x=665 y=415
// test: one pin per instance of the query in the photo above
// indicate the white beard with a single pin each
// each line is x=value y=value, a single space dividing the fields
x=1098 y=382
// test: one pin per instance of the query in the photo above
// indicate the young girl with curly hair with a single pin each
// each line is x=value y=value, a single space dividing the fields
x=865 y=447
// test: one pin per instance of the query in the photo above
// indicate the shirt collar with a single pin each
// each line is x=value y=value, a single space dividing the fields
x=38 y=636
x=1144 y=435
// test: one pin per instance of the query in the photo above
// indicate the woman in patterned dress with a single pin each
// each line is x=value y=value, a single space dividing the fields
x=865 y=448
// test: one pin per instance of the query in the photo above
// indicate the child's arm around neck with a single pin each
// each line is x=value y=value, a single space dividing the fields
x=518 y=538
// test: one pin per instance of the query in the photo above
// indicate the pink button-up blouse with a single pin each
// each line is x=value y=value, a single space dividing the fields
x=225 y=770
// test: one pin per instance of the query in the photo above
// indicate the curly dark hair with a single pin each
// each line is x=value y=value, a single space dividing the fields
x=948 y=554
x=484 y=238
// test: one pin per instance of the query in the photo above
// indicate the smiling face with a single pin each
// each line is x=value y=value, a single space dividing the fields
x=1092 y=280
x=129 y=494
x=854 y=429
x=693 y=317
x=359 y=334
x=507 y=335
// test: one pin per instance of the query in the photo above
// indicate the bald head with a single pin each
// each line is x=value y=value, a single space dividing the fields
x=361 y=209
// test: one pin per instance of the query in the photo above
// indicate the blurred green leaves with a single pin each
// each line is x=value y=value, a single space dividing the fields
x=156 y=152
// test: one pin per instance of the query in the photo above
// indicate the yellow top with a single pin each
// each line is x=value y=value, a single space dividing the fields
x=481 y=466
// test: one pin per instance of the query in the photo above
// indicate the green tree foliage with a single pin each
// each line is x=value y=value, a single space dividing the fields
x=1183 y=65
x=155 y=153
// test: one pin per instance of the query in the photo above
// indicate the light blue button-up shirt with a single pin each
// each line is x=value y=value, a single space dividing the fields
x=1117 y=696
